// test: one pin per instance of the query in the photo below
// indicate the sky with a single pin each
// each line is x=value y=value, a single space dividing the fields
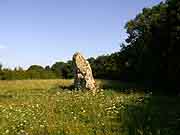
x=46 y=31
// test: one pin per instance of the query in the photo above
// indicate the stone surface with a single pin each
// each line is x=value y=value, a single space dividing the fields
x=83 y=73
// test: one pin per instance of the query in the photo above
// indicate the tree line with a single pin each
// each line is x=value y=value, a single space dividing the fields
x=149 y=55
x=58 y=70
x=102 y=68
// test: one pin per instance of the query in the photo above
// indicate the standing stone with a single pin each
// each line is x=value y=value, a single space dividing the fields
x=83 y=73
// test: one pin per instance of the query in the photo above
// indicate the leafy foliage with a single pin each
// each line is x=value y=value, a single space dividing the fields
x=153 y=44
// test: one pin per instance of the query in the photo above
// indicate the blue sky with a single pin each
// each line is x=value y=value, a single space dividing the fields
x=45 y=31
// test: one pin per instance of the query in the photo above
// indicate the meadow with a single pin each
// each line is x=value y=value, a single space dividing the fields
x=52 y=107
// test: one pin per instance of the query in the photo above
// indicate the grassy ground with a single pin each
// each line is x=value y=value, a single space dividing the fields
x=47 y=107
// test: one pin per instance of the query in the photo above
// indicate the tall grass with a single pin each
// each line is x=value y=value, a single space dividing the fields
x=47 y=107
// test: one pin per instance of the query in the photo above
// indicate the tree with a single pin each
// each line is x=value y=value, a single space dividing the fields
x=36 y=68
x=153 y=44
x=0 y=67
x=63 y=70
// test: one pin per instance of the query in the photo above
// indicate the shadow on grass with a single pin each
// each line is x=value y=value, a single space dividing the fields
x=2 y=97
x=120 y=86
x=156 y=115
x=59 y=88
x=70 y=87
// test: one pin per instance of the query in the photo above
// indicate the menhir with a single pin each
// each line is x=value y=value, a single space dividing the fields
x=83 y=73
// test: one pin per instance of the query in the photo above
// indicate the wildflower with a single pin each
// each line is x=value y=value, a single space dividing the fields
x=58 y=93
x=13 y=128
x=45 y=121
x=22 y=131
x=42 y=126
x=84 y=111
x=3 y=110
x=116 y=112
x=101 y=90
x=11 y=107
x=25 y=121
x=7 y=131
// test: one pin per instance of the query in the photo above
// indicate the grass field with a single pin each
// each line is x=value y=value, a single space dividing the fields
x=48 y=107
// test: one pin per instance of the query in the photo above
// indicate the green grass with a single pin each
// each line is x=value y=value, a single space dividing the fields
x=47 y=107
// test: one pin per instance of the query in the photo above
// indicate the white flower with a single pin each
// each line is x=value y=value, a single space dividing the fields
x=42 y=126
x=114 y=107
x=7 y=131
x=83 y=111
x=25 y=121
x=58 y=93
x=11 y=107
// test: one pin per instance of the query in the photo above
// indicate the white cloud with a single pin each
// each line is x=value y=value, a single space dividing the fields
x=2 y=46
